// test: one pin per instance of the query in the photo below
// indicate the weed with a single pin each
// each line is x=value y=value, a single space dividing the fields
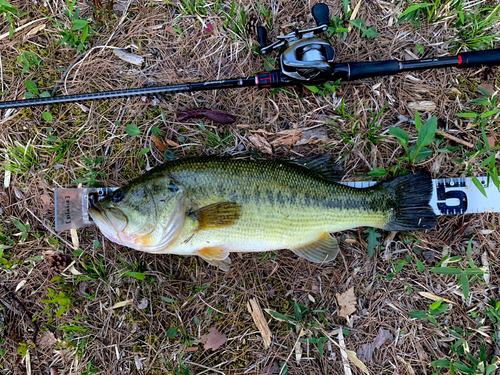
x=24 y=228
x=305 y=321
x=484 y=120
x=435 y=309
x=213 y=139
x=326 y=89
x=20 y=159
x=373 y=241
x=9 y=12
x=474 y=27
x=418 y=152
x=33 y=91
x=190 y=7
x=77 y=32
x=29 y=60
x=464 y=271
x=91 y=175
x=56 y=300
x=365 y=32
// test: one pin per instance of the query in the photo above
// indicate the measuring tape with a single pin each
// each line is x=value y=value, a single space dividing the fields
x=451 y=196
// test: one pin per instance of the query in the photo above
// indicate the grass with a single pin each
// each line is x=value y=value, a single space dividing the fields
x=116 y=309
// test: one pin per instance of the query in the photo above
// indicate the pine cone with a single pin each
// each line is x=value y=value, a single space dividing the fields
x=251 y=24
x=59 y=261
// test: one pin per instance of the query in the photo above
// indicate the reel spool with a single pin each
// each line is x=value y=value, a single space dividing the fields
x=305 y=57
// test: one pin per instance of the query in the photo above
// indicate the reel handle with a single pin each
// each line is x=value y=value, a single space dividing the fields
x=321 y=15
x=262 y=34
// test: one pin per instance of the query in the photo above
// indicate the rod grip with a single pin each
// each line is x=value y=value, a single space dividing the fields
x=359 y=70
x=489 y=57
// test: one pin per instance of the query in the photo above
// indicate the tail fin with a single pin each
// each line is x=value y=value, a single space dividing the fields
x=412 y=194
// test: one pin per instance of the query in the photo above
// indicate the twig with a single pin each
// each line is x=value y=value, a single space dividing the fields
x=453 y=138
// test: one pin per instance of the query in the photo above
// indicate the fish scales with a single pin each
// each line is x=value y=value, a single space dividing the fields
x=275 y=197
x=222 y=205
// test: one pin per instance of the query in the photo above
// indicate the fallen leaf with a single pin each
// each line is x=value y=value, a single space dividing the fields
x=213 y=340
x=365 y=352
x=422 y=106
x=46 y=203
x=383 y=337
x=46 y=339
x=143 y=304
x=261 y=143
x=157 y=141
x=347 y=302
x=434 y=297
x=122 y=304
x=131 y=58
x=314 y=135
x=488 y=88
x=209 y=29
x=288 y=138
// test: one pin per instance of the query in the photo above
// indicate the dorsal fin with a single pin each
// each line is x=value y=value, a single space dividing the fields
x=323 y=166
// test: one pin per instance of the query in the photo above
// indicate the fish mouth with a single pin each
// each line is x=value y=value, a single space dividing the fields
x=108 y=226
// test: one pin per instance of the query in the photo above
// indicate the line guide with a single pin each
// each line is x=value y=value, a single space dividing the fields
x=451 y=196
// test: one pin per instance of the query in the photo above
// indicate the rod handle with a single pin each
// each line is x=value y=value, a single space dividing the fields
x=359 y=70
x=489 y=57
x=262 y=34
x=321 y=15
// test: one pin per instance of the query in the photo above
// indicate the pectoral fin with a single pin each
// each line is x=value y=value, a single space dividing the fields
x=324 y=249
x=216 y=256
x=217 y=215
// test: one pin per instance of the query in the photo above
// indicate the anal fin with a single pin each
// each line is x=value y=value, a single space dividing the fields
x=324 y=249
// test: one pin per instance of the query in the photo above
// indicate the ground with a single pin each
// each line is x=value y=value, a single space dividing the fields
x=424 y=303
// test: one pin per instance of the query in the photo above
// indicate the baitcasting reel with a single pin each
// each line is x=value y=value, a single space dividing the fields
x=304 y=57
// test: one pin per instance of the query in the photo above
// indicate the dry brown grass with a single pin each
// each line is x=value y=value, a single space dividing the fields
x=133 y=339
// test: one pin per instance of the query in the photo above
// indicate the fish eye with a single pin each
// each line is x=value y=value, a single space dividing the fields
x=118 y=195
x=173 y=187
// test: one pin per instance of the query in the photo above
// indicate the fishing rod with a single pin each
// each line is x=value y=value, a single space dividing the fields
x=305 y=58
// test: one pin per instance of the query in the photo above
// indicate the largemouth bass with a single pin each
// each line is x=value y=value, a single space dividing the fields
x=213 y=206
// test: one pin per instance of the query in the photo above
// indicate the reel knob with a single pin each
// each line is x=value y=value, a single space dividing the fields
x=262 y=34
x=321 y=15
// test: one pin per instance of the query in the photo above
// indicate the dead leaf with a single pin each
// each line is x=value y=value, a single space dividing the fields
x=288 y=138
x=171 y=143
x=261 y=143
x=46 y=203
x=143 y=304
x=365 y=352
x=157 y=141
x=131 y=58
x=314 y=135
x=488 y=88
x=213 y=340
x=383 y=337
x=122 y=303
x=46 y=339
x=492 y=140
x=422 y=106
x=347 y=302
